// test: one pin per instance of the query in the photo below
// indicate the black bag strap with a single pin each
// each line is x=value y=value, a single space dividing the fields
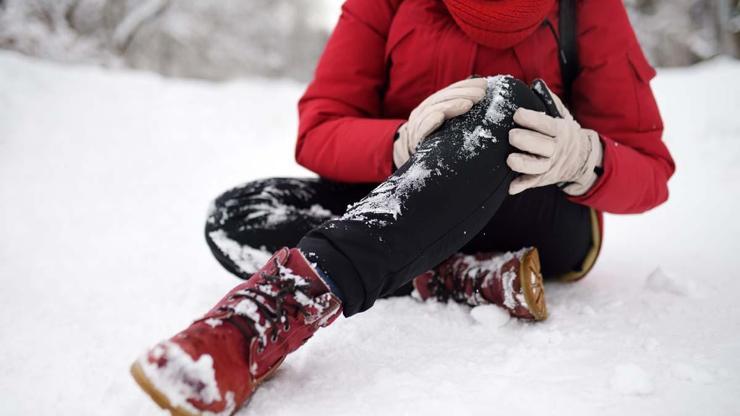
x=566 y=36
x=569 y=65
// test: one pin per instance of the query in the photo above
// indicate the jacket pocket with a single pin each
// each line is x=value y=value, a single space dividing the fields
x=648 y=113
x=644 y=71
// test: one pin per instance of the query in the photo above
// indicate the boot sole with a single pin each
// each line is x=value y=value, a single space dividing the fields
x=164 y=403
x=533 y=288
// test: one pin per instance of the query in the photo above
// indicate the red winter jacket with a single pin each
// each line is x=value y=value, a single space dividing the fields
x=386 y=56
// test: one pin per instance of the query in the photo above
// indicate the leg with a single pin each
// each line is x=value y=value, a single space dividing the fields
x=249 y=222
x=429 y=208
x=501 y=267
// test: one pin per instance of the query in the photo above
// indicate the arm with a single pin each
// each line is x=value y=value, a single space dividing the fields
x=342 y=135
x=612 y=96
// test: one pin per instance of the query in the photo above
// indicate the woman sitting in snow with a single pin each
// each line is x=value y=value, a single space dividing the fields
x=485 y=183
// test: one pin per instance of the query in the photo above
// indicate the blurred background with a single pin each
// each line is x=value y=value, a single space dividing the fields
x=283 y=38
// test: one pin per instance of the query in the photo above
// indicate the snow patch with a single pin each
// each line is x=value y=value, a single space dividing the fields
x=181 y=377
x=248 y=259
x=500 y=105
x=472 y=141
x=304 y=300
x=631 y=379
x=387 y=199
x=212 y=322
x=491 y=268
x=507 y=279
x=271 y=212
x=490 y=315
x=274 y=214
x=248 y=308
x=499 y=89
x=539 y=87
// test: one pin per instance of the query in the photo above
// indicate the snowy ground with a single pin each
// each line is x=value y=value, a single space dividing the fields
x=105 y=178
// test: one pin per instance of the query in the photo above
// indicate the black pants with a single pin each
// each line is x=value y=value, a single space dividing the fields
x=451 y=196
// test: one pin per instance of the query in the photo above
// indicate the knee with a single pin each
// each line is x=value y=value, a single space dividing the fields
x=512 y=93
x=495 y=112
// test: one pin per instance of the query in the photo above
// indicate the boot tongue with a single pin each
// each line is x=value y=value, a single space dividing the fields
x=320 y=303
x=499 y=24
x=287 y=286
x=298 y=267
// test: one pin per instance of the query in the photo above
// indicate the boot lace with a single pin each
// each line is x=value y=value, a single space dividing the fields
x=245 y=307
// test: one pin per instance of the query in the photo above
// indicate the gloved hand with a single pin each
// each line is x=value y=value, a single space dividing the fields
x=449 y=102
x=558 y=150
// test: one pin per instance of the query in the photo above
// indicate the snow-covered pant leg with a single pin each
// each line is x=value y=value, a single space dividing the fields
x=429 y=208
x=248 y=223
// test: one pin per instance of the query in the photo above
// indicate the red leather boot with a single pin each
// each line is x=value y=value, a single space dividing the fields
x=511 y=280
x=215 y=365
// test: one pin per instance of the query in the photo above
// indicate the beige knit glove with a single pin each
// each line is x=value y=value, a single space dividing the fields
x=558 y=151
x=449 y=102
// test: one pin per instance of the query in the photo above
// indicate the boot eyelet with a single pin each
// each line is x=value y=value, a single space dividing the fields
x=286 y=326
x=274 y=337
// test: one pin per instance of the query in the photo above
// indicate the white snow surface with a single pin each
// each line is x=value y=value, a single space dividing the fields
x=631 y=379
x=490 y=315
x=105 y=181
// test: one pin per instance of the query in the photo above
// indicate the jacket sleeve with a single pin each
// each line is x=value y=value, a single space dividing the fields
x=612 y=96
x=342 y=135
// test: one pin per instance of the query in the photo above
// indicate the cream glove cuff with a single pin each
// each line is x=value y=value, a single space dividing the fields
x=401 y=151
x=587 y=176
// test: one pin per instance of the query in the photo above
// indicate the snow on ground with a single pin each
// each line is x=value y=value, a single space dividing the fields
x=105 y=179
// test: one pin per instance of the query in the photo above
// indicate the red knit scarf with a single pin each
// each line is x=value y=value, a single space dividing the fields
x=499 y=24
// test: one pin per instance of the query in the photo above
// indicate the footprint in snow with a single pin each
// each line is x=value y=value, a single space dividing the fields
x=662 y=282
